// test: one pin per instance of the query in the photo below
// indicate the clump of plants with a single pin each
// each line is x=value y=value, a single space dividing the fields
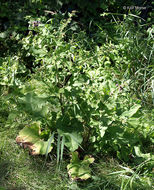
x=75 y=101
x=76 y=96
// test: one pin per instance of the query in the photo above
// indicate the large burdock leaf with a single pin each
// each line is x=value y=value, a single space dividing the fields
x=71 y=129
x=35 y=105
x=29 y=137
x=79 y=169
x=73 y=140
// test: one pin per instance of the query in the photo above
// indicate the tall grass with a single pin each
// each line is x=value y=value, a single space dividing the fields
x=134 y=41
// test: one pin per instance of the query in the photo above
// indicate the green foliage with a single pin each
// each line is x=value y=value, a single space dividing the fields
x=2 y=188
x=71 y=130
x=10 y=68
x=132 y=177
x=81 y=99
x=140 y=154
x=79 y=88
x=35 y=105
x=79 y=169
x=133 y=50
x=30 y=137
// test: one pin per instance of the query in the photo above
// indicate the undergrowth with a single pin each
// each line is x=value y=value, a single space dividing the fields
x=82 y=110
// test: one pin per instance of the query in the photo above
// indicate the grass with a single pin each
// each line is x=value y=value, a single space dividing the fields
x=19 y=170
x=22 y=171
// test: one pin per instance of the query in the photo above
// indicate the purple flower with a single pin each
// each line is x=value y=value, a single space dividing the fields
x=36 y=23
x=121 y=88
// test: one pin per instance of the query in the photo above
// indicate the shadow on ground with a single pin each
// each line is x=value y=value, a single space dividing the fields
x=5 y=169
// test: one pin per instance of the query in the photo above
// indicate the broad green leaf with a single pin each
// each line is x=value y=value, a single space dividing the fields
x=140 y=154
x=12 y=116
x=29 y=137
x=39 y=87
x=79 y=169
x=132 y=111
x=34 y=104
x=72 y=131
x=73 y=140
x=133 y=121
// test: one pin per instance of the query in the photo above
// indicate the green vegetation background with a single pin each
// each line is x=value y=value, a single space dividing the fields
x=76 y=77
